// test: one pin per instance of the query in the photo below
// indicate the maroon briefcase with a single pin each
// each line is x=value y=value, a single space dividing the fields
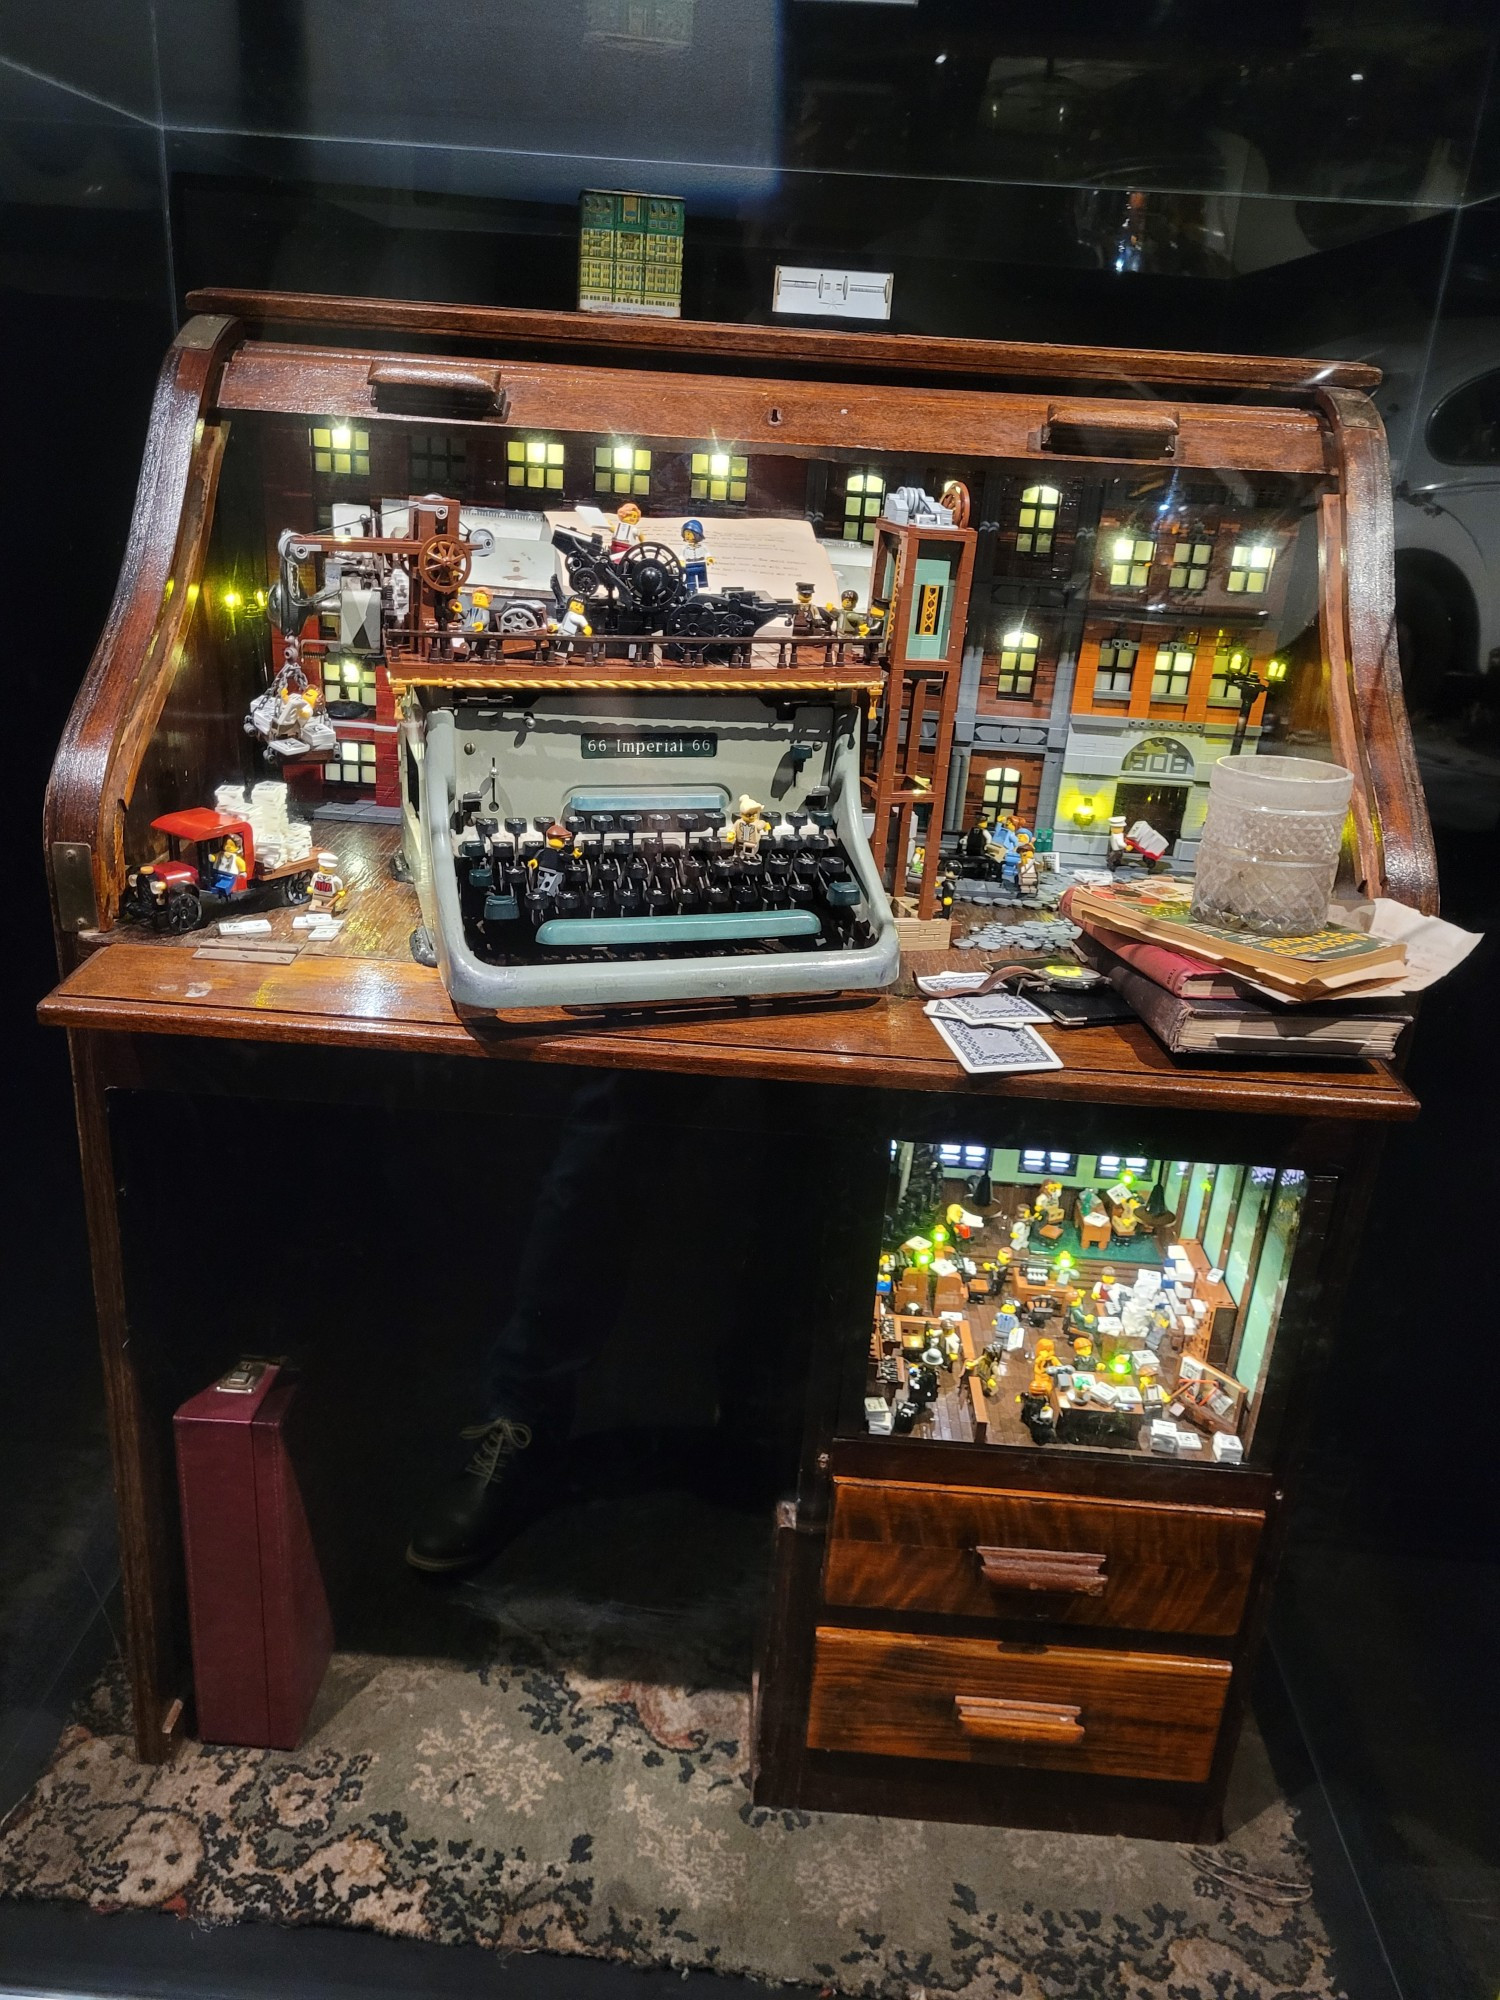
x=256 y=1604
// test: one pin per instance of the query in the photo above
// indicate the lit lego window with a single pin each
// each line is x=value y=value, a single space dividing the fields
x=972 y=1159
x=1227 y=661
x=1174 y=669
x=1016 y=674
x=1129 y=562
x=622 y=469
x=1036 y=524
x=340 y=450
x=1002 y=788
x=353 y=765
x=1190 y=562
x=1250 y=567
x=1038 y=1160
x=1116 y=670
x=719 y=475
x=437 y=463
x=349 y=680
x=535 y=462
x=1112 y=1165
x=864 y=496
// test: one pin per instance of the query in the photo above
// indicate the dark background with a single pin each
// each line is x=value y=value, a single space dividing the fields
x=1316 y=177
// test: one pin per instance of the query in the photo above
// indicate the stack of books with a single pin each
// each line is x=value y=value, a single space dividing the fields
x=1206 y=989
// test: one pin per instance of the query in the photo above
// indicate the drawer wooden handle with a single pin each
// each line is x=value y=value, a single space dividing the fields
x=990 y=1720
x=1066 y=1570
x=398 y=384
x=1111 y=430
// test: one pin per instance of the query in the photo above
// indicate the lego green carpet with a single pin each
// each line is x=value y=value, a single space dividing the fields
x=584 y=1789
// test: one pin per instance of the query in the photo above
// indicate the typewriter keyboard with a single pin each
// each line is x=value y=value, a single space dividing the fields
x=671 y=881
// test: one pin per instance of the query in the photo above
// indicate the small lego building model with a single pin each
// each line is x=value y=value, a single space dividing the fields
x=695 y=556
x=572 y=625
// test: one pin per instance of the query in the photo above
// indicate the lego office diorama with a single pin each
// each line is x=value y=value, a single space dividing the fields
x=1047 y=1297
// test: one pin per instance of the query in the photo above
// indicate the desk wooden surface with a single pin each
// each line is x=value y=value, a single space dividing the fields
x=365 y=991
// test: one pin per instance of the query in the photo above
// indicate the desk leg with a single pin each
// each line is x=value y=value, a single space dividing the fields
x=138 y=1441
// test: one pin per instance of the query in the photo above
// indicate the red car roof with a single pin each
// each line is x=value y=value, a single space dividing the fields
x=199 y=823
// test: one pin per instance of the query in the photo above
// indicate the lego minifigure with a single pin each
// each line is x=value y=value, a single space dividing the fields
x=748 y=828
x=1020 y=1230
x=849 y=621
x=627 y=534
x=695 y=556
x=229 y=867
x=546 y=866
x=476 y=617
x=572 y=625
x=326 y=886
x=807 y=620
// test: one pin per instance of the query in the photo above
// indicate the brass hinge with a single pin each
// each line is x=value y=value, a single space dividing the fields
x=73 y=881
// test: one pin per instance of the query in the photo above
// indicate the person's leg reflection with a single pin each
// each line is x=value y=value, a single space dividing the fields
x=566 y=1283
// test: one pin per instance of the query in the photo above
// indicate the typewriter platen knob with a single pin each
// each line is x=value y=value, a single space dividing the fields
x=517 y=827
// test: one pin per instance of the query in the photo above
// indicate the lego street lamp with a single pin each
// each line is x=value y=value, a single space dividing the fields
x=1250 y=687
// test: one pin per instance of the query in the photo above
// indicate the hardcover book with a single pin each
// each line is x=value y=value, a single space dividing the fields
x=1319 y=961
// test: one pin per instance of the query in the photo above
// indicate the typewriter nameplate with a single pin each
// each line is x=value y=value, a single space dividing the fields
x=650 y=743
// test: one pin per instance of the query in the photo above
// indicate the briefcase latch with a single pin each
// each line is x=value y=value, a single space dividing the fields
x=243 y=1379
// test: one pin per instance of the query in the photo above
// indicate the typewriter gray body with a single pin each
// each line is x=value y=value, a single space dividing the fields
x=551 y=753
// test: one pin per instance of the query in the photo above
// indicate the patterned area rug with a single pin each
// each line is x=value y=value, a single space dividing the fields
x=584 y=1789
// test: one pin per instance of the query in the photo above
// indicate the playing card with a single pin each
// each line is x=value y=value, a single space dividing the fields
x=951 y=982
x=980 y=1009
x=991 y=1050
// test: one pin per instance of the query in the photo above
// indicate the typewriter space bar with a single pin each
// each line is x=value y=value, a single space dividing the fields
x=714 y=927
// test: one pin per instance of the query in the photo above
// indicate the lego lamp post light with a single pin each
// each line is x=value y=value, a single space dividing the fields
x=1250 y=686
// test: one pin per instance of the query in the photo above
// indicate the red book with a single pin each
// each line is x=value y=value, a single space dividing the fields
x=1189 y=978
x=257 y=1609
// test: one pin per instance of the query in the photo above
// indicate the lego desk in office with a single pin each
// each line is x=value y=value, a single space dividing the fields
x=1026 y=1590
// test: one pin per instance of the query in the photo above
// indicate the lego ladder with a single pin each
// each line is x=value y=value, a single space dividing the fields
x=919 y=690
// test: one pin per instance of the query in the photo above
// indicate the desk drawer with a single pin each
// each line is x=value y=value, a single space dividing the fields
x=1128 y=1563
x=978 y=1701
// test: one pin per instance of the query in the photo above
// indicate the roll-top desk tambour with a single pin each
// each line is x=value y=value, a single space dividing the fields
x=961 y=1625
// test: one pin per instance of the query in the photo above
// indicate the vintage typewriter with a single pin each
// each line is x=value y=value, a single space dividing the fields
x=618 y=789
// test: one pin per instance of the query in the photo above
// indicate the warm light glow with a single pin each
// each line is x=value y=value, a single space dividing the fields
x=623 y=457
x=1275 y=670
x=1261 y=558
x=1083 y=814
x=343 y=437
x=232 y=600
x=718 y=464
x=192 y=593
x=1124 y=549
x=260 y=600
x=1020 y=638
